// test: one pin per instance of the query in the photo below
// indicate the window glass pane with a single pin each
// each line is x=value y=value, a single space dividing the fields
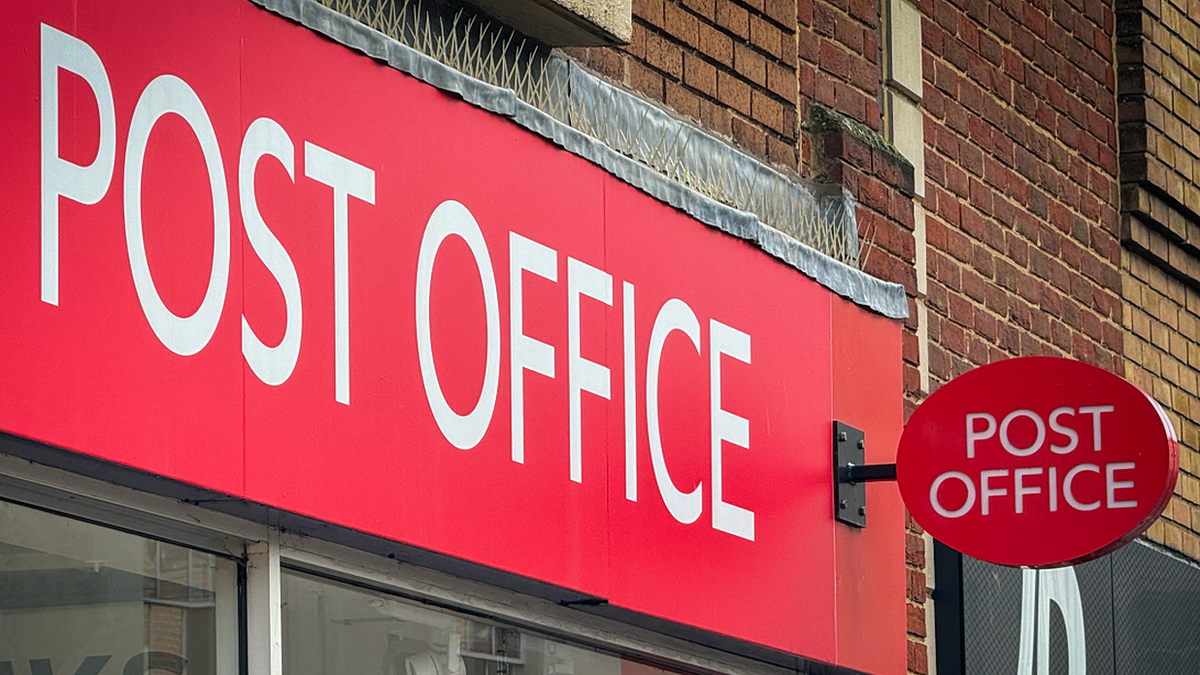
x=80 y=599
x=333 y=629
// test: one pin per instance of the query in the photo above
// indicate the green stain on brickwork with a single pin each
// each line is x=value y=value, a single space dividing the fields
x=823 y=118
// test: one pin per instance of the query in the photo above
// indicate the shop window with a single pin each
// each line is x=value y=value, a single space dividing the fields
x=77 y=598
x=330 y=628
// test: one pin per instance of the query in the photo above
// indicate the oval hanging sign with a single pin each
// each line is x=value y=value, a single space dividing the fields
x=1037 y=462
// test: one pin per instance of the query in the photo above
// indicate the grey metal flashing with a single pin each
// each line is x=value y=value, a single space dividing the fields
x=881 y=296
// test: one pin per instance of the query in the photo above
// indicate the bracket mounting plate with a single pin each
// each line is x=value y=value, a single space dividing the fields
x=849 y=498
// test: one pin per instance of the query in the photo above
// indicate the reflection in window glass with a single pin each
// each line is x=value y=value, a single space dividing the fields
x=332 y=629
x=77 y=598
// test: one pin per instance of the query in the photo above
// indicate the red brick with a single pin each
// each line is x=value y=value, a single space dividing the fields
x=663 y=55
x=766 y=37
x=606 y=62
x=750 y=65
x=804 y=12
x=767 y=111
x=681 y=24
x=733 y=18
x=808 y=46
x=650 y=11
x=783 y=12
x=705 y=8
x=699 y=74
x=865 y=11
x=717 y=118
x=781 y=153
x=916 y=586
x=915 y=620
x=782 y=82
x=646 y=81
x=824 y=19
x=733 y=92
x=749 y=137
x=682 y=101
x=715 y=44
x=850 y=35
x=833 y=59
x=788 y=50
x=850 y=101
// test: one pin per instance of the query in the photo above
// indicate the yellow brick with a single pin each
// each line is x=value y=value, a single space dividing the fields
x=1178 y=346
x=1159 y=335
x=1150 y=301
x=1181 y=404
x=1187 y=326
x=1140 y=323
x=1170 y=370
x=1193 y=303
x=1191 y=545
x=1139 y=267
x=1140 y=377
x=1168 y=313
x=1131 y=289
x=1187 y=380
x=1188 y=32
x=1152 y=361
x=1182 y=514
x=1187 y=454
x=1169 y=511
x=1157 y=531
x=1133 y=347
x=1173 y=536
x=1159 y=281
x=1191 y=488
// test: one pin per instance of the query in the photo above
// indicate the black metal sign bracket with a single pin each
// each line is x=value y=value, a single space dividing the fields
x=851 y=473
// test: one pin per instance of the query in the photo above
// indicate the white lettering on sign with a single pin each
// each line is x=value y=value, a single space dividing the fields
x=453 y=219
x=168 y=94
x=974 y=433
x=347 y=179
x=164 y=95
x=726 y=426
x=935 y=490
x=526 y=353
x=992 y=485
x=627 y=335
x=1058 y=428
x=60 y=178
x=272 y=365
x=583 y=375
x=675 y=315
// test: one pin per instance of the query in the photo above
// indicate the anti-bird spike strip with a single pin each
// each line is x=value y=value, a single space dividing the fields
x=499 y=56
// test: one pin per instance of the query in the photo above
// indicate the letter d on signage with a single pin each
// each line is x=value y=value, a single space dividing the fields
x=60 y=178
x=1039 y=588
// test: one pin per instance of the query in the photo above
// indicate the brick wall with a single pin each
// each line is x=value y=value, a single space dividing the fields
x=1159 y=104
x=1021 y=190
x=1021 y=231
x=730 y=66
x=749 y=70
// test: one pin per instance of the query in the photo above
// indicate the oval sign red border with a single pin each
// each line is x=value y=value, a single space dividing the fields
x=1037 y=462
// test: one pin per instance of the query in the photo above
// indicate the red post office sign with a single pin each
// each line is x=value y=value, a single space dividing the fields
x=236 y=254
x=1037 y=462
